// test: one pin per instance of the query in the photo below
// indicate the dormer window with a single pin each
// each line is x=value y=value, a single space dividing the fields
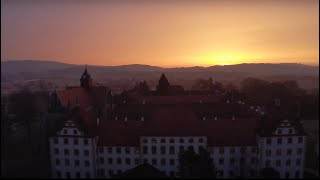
x=279 y=131
x=290 y=131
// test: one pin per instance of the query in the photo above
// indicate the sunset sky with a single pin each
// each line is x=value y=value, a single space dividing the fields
x=162 y=33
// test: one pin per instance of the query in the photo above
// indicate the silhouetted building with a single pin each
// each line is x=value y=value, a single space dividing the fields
x=163 y=86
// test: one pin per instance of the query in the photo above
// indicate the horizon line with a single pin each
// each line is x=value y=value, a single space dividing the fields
x=174 y=66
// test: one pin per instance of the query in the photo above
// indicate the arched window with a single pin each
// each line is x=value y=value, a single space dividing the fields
x=163 y=140
x=181 y=140
x=171 y=140
x=190 y=140
x=200 y=140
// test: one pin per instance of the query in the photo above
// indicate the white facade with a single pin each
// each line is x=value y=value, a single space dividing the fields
x=162 y=153
x=284 y=151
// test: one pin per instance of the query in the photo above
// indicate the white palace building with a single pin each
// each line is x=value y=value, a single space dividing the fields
x=102 y=135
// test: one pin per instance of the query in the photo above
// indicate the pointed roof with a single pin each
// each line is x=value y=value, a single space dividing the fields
x=163 y=78
x=142 y=171
x=85 y=71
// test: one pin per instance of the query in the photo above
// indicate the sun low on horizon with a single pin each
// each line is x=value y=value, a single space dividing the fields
x=161 y=33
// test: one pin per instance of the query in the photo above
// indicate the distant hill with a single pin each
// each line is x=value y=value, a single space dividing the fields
x=126 y=76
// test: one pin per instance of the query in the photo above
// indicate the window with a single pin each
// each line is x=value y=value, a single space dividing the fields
x=101 y=150
x=252 y=160
x=101 y=159
x=67 y=162
x=110 y=172
x=87 y=174
x=87 y=163
x=127 y=150
x=153 y=141
x=190 y=140
x=75 y=132
x=85 y=141
x=279 y=140
x=102 y=173
x=278 y=152
x=58 y=173
x=287 y=174
x=163 y=150
x=65 y=141
x=171 y=140
x=232 y=161
x=78 y=174
x=110 y=160
x=56 y=141
x=145 y=150
x=118 y=150
x=290 y=131
x=251 y=172
x=268 y=140
x=221 y=150
x=253 y=150
x=154 y=161
x=268 y=152
x=171 y=161
x=220 y=173
x=128 y=161
x=57 y=162
x=300 y=140
x=86 y=152
x=66 y=152
x=288 y=162
x=181 y=140
x=154 y=150
x=289 y=140
x=289 y=151
x=243 y=150
x=68 y=175
x=119 y=171
x=76 y=152
x=298 y=161
x=136 y=150
x=56 y=151
x=145 y=160
x=200 y=140
x=279 y=131
x=242 y=160
x=76 y=162
x=65 y=131
x=163 y=140
x=145 y=141
x=299 y=151
x=110 y=150
x=221 y=161
x=75 y=141
x=232 y=150
x=278 y=163
x=267 y=163
x=118 y=160
x=136 y=161
x=297 y=174
x=181 y=148
x=163 y=161
x=171 y=149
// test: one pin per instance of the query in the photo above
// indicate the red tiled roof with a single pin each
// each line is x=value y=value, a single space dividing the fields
x=95 y=95
x=185 y=99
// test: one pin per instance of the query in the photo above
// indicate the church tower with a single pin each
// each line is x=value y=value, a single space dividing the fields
x=85 y=80
x=163 y=86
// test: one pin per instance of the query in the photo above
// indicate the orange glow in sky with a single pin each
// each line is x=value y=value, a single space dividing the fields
x=168 y=33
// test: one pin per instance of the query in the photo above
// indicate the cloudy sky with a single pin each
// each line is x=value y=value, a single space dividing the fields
x=163 y=33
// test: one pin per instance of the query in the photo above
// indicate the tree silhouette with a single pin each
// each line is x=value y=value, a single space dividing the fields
x=192 y=165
